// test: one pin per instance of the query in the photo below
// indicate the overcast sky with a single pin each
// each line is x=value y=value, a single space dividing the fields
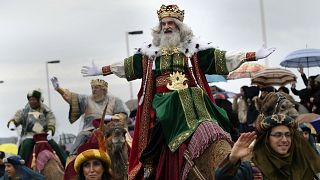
x=76 y=32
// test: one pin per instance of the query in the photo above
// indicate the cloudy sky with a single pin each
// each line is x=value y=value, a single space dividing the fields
x=78 y=31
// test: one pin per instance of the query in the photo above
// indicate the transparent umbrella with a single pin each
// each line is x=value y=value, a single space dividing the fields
x=310 y=120
x=303 y=57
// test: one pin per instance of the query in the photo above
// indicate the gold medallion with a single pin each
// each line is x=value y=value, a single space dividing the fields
x=177 y=81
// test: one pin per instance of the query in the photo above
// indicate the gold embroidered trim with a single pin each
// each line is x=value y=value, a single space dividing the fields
x=187 y=105
x=134 y=172
x=197 y=75
x=200 y=104
x=146 y=105
x=165 y=63
x=162 y=80
x=178 y=62
x=220 y=62
x=74 y=108
x=168 y=51
x=128 y=67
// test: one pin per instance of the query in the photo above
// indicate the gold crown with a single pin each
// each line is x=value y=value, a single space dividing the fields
x=99 y=82
x=170 y=11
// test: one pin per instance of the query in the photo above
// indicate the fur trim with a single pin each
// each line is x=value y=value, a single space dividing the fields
x=188 y=48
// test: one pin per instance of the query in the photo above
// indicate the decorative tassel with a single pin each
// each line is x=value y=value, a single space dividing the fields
x=189 y=62
x=150 y=63
x=55 y=155
x=33 y=162
x=153 y=66
x=141 y=99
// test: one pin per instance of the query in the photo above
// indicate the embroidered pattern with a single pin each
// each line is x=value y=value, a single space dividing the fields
x=200 y=105
x=219 y=57
x=128 y=67
x=75 y=111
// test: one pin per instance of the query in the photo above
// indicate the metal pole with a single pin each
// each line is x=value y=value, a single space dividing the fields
x=47 y=71
x=263 y=26
x=128 y=54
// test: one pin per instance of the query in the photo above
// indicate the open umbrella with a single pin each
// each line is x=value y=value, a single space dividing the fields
x=273 y=77
x=246 y=70
x=215 y=78
x=9 y=148
x=303 y=57
x=311 y=120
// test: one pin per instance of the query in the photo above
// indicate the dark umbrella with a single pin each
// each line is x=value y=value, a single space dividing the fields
x=311 y=120
x=273 y=77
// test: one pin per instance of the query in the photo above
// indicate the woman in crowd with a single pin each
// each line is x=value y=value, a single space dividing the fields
x=15 y=169
x=93 y=164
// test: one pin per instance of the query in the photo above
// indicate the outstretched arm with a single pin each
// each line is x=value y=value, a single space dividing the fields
x=264 y=52
x=94 y=70
x=64 y=92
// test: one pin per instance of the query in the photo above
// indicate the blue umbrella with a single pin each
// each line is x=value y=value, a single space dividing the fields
x=303 y=57
x=215 y=78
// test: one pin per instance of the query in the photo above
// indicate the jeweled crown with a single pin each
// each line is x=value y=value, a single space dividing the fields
x=170 y=11
x=99 y=82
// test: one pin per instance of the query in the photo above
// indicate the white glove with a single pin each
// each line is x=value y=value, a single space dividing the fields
x=49 y=137
x=264 y=52
x=12 y=126
x=92 y=70
x=55 y=82
x=108 y=118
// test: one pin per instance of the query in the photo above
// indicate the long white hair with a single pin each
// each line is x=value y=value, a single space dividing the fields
x=184 y=31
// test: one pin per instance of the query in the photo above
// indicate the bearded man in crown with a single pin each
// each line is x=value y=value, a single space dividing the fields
x=177 y=119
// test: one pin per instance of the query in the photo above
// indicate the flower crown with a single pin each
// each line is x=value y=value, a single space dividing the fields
x=170 y=11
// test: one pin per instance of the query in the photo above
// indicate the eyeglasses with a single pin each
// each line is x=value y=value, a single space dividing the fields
x=279 y=135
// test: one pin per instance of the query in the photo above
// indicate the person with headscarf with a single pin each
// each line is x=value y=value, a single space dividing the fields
x=15 y=168
x=93 y=164
x=175 y=97
x=36 y=119
x=280 y=152
x=306 y=133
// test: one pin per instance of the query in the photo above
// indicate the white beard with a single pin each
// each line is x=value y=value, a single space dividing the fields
x=98 y=97
x=170 y=39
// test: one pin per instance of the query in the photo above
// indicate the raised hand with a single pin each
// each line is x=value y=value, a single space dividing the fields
x=300 y=69
x=55 y=82
x=242 y=147
x=264 y=52
x=92 y=70
x=12 y=126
